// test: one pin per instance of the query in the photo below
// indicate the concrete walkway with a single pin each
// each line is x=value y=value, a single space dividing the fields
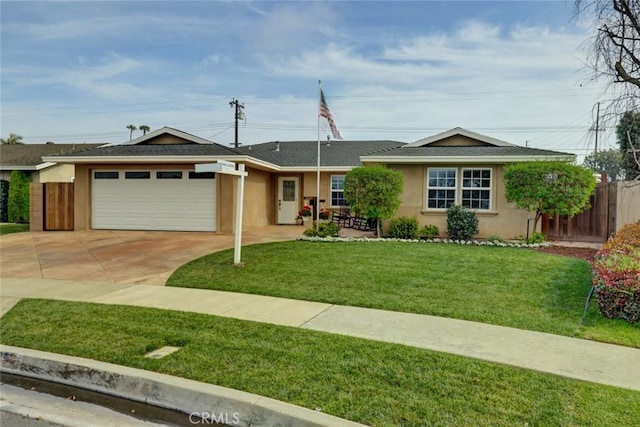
x=568 y=357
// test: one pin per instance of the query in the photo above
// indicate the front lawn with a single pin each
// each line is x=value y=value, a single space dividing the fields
x=374 y=383
x=13 y=228
x=504 y=286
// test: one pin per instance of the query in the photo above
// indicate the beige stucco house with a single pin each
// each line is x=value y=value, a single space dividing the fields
x=150 y=183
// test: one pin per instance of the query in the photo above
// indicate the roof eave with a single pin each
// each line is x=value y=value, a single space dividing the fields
x=465 y=159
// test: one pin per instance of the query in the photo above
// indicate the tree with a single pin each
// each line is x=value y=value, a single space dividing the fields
x=608 y=162
x=144 y=129
x=131 y=129
x=628 y=134
x=613 y=53
x=18 y=203
x=13 y=139
x=373 y=192
x=552 y=188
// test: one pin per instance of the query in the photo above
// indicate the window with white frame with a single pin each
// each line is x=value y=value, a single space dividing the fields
x=441 y=188
x=337 y=190
x=476 y=189
x=468 y=187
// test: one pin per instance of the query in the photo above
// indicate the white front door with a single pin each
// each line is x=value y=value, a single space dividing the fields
x=287 y=200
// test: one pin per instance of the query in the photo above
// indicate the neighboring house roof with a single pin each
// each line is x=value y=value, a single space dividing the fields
x=29 y=156
x=304 y=154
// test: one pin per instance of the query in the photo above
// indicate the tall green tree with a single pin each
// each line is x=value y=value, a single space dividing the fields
x=373 y=192
x=552 y=188
x=628 y=135
x=14 y=138
x=607 y=162
x=144 y=129
x=18 y=203
x=131 y=129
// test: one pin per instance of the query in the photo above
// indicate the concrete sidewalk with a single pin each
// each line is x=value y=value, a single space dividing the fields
x=564 y=356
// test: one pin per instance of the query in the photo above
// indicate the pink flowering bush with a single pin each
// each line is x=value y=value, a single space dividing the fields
x=616 y=275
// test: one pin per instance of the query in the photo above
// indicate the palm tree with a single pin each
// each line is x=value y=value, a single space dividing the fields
x=144 y=129
x=131 y=128
x=13 y=139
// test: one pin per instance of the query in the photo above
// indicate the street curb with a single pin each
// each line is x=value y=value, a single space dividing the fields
x=206 y=401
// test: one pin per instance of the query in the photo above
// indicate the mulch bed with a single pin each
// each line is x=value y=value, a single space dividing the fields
x=583 y=253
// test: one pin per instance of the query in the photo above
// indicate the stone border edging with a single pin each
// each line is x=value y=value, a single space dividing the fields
x=436 y=240
x=166 y=391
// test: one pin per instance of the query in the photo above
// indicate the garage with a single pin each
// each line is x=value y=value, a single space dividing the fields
x=149 y=199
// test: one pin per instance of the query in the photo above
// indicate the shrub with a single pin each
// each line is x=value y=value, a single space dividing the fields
x=324 y=229
x=429 y=231
x=4 y=198
x=616 y=275
x=536 y=237
x=462 y=223
x=18 y=203
x=496 y=238
x=405 y=227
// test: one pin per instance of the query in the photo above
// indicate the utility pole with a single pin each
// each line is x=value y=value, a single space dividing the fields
x=597 y=130
x=239 y=115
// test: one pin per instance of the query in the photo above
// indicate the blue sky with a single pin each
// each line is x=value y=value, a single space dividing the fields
x=81 y=71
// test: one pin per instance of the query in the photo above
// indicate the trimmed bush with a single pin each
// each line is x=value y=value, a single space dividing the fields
x=462 y=223
x=429 y=231
x=536 y=237
x=324 y=229
x=405 y=227
x=18 y=205
x=616 y=275
x=4 y=201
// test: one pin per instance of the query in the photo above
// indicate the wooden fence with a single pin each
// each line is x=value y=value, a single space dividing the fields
x=58 y=206
x=596 y=224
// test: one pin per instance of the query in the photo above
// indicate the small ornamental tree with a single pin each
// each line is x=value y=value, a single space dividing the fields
x=373 y=192
x=552 y=188
x=18 y=203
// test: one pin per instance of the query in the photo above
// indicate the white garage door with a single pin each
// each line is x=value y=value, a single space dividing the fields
x=178 y=200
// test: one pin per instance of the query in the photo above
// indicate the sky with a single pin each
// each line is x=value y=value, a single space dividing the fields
x=81 y=71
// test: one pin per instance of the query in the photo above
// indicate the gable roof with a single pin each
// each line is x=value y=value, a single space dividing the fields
x=472 y=148
x=29 y=156
x=461 y=132
x=303 y=155
x=142 y=140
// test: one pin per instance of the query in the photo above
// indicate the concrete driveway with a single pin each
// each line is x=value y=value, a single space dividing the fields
x=144 y=257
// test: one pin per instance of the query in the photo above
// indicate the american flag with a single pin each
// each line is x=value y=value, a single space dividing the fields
x=326 y=113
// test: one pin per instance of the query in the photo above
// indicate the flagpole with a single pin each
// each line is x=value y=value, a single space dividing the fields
x=317 y=212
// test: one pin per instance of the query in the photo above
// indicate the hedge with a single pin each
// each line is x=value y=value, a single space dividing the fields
x=616 y=275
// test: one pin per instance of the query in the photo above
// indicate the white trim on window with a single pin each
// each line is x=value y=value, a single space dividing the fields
x=469 y=187
x=441 y=187
x=336 y=190
x=476 y=185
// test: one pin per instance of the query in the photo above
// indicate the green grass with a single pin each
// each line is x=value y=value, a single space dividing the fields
x=504 y=286
x=13 y=228
x=369 y=382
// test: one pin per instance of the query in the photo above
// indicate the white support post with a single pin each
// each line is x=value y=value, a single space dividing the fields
x=239 y=205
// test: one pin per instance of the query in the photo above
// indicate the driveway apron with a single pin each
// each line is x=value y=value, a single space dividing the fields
x=140 y=257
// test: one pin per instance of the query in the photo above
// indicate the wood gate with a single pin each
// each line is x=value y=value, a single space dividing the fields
x=596 y=224
x=58 y=206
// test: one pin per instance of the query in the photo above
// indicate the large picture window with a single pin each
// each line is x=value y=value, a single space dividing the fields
x=337 y=190
x=441 y=188
x=468 y=187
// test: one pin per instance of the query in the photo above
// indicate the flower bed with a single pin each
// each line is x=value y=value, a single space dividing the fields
x=616 y=275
